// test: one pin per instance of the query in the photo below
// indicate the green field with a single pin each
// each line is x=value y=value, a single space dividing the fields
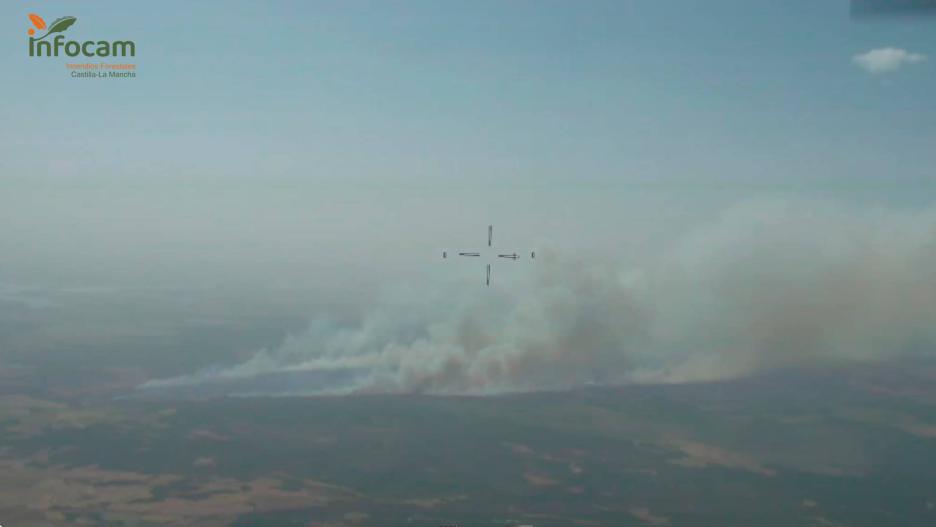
x=786 y=450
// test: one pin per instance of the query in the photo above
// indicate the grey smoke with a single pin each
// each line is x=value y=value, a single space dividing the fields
x=765 y=284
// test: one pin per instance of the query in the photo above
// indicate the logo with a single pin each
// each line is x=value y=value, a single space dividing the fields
x=41 y=47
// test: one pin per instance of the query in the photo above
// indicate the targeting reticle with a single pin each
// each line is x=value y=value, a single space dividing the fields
x=474 y=254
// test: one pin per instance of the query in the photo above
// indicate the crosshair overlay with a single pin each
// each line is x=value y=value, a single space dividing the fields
x=469 y=254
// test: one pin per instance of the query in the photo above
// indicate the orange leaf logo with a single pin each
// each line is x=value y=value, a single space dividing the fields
x=37 y=21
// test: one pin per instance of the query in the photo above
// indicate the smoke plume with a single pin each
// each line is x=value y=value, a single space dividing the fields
x=763 y=285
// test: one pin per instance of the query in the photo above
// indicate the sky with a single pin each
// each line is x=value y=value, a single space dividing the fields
x=338 y=147
x=494 y=93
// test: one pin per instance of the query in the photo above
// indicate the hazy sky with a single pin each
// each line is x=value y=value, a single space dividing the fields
x=502 y=93
x=338 y=147
x=353 y=129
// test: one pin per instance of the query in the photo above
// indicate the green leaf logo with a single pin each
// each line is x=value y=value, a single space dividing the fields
x=60 y=25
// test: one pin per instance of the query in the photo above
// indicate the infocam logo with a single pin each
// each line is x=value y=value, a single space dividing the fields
x=40 y=47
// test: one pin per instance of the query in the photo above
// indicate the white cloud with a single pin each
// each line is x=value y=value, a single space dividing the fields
x=884 y=60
